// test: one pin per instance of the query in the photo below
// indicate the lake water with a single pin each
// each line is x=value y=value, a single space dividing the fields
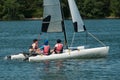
x=17 y=36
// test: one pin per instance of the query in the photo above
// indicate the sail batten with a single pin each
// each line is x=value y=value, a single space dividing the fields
x=76 y=18
x=54 y=22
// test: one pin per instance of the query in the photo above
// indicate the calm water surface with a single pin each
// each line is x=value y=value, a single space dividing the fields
x=17 y=36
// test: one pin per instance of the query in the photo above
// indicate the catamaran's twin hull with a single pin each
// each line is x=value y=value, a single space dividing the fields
x=82 y=54
x=19 y=56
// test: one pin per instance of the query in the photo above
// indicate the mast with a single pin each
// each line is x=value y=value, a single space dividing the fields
x=63 y=26
x=65 y=36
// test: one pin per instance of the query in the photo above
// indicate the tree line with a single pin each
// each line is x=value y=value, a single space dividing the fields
x=22 y=9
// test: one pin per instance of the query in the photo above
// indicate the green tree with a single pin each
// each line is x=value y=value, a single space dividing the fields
x=1 y=13
x=65 y=8
x=81 y=7
x=115 y=8
x=94 y=8
x=98 y=10
x=38 y=8
x=20 y=9
x=1 y=9
x=106 y=8
x=27 y=7
x=31 y=8
x=11 y=10
x=87 y=7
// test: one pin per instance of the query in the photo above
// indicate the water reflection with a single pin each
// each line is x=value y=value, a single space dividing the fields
x=54 y=71
x=56 y=66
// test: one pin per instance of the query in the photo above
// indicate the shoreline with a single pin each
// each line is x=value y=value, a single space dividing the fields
x=35 y=19
x=70 y=18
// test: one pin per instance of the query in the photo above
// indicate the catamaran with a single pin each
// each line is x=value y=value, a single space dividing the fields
x=53 y=21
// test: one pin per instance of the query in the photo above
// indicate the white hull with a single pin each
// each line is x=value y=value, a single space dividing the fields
x=19 y=56
x=84 y=53
x=81 y=53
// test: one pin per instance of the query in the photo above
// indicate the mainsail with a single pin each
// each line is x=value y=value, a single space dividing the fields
x=52 y=16
x=76 y=18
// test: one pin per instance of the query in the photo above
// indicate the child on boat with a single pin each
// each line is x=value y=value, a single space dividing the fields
x=34 y=48
x=58 y=47
x=45 y=48
x=31 y=49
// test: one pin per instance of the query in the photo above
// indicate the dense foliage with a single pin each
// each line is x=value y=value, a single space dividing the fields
x=21 y=9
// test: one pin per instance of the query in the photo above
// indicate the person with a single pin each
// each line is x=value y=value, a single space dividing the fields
x=45 y=48
x=58 y=47
x=34 y=47
x=31 y=49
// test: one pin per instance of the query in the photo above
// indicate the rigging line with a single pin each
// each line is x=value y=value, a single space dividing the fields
x=96 y=39
x=39 y=35
x=86 y=41
x=73 y=38
x=47 y=36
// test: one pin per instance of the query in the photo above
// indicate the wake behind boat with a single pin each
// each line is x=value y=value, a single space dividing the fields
x=53 y=21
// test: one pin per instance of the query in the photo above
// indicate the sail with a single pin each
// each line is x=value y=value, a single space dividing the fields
x=76 y=18
x=52 y=16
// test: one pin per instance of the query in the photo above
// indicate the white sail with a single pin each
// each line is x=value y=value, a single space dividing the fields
x=52 y=16
x=76 y=18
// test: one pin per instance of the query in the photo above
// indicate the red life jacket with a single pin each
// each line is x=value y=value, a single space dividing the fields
x=46 y=49
x=59 y=48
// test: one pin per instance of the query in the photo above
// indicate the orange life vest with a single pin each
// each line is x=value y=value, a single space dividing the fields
x=46 y=49
x=59 y=48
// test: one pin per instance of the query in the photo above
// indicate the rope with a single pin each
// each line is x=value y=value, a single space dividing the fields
x=73 y=38
x=39 y=36
x=46 y=36
x=96 y=39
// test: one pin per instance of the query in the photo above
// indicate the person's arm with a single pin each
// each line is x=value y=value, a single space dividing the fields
x=42 y=47
x=55 y=47
x=33 y=45
x=62 y=49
